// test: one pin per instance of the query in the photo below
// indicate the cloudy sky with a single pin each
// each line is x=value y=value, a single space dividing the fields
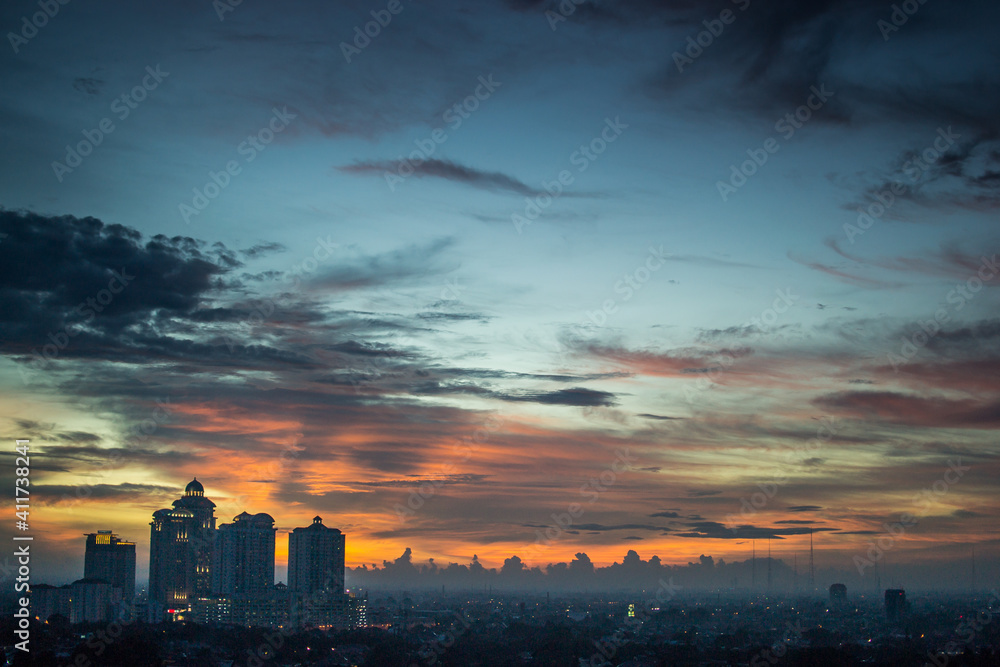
x=696 y=273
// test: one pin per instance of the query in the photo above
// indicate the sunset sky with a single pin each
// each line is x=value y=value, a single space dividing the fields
x=343 y=286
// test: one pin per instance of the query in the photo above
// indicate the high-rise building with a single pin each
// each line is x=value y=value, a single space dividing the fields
x=357 y=609
x=83 y=601
x=181 y=541
x=316 y=576
x=112 y=559
x=316 y=559
x=243 y=560
x=895 y=604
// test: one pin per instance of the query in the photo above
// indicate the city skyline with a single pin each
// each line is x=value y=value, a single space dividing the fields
x=874 y=573
x=530 y=279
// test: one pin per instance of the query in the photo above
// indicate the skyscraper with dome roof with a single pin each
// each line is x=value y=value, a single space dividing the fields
x=181 y=541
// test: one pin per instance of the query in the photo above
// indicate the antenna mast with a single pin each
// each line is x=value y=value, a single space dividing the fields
x=812 y=566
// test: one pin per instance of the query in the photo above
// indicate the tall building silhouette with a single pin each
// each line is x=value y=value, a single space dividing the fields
x=895 y=604
x=112 y=559
x=243 y=560
x=316 y=559
x=181 y=543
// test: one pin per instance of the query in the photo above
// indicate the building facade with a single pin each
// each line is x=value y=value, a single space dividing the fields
x=112 y=559
x=181 y=544
x=316 y=559
x=895 y=604
x=243 y=560
x=271 y=611
x=83 y=601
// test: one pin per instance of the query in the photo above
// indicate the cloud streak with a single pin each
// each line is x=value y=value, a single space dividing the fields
x=491 y=181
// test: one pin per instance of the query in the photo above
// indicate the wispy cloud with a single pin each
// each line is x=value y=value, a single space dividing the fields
x=492 y=181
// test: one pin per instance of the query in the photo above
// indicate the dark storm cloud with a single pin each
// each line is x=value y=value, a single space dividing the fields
x=108 y=294
x=804 y=508
x=101 y=279
x=646 y=415
x=493 y=181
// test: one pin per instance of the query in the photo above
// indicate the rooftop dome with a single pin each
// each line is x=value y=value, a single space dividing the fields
x=194 y=488
x=317 y=526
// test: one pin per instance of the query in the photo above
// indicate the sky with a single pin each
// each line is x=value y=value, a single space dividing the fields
x=520 y=278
